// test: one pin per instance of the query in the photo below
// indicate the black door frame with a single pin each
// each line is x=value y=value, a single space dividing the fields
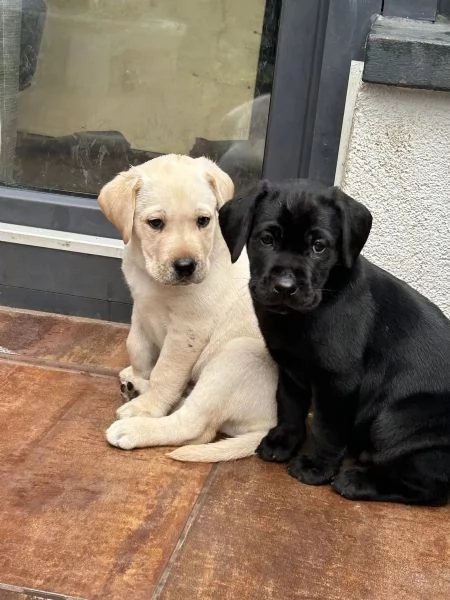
x=311 y=75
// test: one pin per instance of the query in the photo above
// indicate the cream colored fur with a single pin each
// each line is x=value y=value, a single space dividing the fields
x=204 y=333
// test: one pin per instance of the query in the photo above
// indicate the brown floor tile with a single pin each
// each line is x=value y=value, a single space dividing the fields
x=83 y=519
x=55 y=339
x=78 y=517
x=261 y=534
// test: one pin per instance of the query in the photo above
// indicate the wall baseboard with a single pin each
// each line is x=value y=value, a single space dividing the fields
x=61 y=240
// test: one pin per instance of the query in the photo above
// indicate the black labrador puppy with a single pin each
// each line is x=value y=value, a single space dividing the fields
x=371 y=352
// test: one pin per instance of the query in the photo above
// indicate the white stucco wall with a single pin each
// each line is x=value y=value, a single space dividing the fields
x=395 y=158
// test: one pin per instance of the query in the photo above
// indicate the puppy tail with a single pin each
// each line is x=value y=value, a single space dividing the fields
x=227 y=449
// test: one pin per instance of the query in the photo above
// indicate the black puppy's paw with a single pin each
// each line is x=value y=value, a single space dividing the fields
x=279 y=445
x=311 y=470
x=128 y=391
x=354 y=483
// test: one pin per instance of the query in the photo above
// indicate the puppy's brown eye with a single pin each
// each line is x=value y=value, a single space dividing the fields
x=318 y=246
x=157 y=224
x=266 y=238
x=203 y=222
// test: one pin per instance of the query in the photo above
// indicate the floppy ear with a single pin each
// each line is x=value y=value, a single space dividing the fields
x=220 y=182
x=356 y=222
x=117 y=199
x=236 y=218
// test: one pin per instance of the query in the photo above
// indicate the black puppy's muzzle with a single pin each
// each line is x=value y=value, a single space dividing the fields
x=283 y=290
x=285 y=285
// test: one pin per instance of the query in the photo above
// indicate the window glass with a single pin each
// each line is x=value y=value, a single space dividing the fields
x=89 y=87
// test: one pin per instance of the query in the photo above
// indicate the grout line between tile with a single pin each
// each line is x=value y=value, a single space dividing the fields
x=37 y=594
x=198 y=505
x=62 y=317
x=19 y=359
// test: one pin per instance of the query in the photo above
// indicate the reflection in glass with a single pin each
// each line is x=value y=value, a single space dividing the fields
x=93 y=86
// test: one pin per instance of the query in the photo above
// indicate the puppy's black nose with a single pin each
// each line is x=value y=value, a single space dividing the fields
x=184 y=266
x=285 y=285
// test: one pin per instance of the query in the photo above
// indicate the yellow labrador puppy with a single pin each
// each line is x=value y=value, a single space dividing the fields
x=192 y=321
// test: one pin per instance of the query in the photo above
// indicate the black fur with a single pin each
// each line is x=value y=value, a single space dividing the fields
x=372 y=352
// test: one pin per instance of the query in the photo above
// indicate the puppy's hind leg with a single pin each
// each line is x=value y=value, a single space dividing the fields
x=181 y=427
x=238 y=387
x=131 y=385
x=422 y=478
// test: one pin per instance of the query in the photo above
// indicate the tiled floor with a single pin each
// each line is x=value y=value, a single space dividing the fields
x=81 y=519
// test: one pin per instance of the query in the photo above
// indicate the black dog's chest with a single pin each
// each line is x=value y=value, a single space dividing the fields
x=321 y=347
x=301 y=345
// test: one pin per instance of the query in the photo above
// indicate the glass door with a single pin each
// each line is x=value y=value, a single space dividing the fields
x=91 y=87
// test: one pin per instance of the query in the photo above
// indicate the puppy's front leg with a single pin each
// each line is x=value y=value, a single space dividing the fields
x=293 y=402
x=169 y=376
x=143 y=354
x=332 y=422
x=140 y=348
